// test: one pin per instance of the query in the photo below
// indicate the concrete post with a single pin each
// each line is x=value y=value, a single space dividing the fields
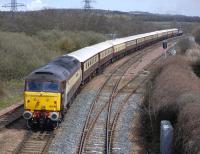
x=166 y=137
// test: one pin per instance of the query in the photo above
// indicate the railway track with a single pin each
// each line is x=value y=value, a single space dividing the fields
x=130 y=88
x=11 y=116
x=35 y=142
x=96 y=133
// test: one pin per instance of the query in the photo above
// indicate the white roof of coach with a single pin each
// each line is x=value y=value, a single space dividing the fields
x=167 y=30
x=130 y=38
x=86 y=53
x=118 y=41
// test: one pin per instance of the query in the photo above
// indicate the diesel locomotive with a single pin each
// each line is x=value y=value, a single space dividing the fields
x=49 y=89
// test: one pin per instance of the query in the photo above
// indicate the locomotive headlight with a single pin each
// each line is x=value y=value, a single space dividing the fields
x=54 y=116
x=27 y=115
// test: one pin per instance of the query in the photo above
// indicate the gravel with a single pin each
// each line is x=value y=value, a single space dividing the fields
x=122 y=142
x=69 y=134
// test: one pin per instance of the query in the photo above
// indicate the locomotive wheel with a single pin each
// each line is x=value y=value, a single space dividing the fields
x=30 y=124
x=55 y=125
x=62 y=115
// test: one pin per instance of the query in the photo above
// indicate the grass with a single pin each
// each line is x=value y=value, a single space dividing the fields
x=9 y=100
x=12 y=93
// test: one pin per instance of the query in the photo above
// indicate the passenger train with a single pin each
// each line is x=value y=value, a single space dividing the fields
x=50 y=89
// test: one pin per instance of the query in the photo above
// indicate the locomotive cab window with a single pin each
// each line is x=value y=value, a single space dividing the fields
x=42 y=86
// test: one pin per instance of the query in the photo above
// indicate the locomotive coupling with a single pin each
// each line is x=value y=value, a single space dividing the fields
x=27 y=115
x=54 y=116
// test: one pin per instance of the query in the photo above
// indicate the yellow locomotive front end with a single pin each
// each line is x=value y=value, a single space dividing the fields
x=42 y=103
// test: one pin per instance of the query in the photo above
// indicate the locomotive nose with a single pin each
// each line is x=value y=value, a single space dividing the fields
x=27 y=115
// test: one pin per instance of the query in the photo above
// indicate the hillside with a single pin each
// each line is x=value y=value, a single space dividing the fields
x=97 y=20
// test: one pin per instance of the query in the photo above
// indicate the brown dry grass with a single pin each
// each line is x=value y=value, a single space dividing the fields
x=176 y=98
x=188 y=129
x=175 y=79
x=174 y=94
x=193 y=53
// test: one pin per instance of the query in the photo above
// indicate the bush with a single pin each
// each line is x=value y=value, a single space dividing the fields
x=183 y=45
x=196 y=34
x=66 y=41
x=188 y=124
x=20 y=54
x=173 y=94
x=196 y=67
x=74 y=20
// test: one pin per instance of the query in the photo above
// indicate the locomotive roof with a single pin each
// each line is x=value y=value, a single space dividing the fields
x=58 y=69
x=88 y=52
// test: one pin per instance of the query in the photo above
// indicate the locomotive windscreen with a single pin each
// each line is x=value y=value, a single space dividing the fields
x=42 y=86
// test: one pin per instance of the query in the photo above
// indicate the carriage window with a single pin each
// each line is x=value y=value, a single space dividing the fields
x=42 y=86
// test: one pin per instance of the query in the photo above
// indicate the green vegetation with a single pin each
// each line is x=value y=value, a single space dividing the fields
x=11 y=92
x=66 y=20
x=20 y=54
x=67 y=41
x=187 y=27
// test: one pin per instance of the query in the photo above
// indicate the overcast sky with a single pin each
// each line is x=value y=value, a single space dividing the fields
x=185 y=7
